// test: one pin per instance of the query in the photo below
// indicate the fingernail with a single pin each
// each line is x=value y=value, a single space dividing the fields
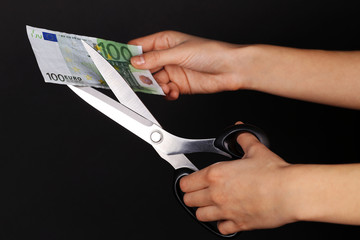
x=139 y=60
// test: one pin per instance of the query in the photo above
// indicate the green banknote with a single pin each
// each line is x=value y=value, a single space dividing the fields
x=62 y=59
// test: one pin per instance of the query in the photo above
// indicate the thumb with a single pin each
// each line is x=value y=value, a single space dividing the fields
x=156 y=59
x=246 y=140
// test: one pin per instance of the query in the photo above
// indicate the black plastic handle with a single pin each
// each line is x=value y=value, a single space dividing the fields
x=227 y=140
x=212 y=226
x=227 y=143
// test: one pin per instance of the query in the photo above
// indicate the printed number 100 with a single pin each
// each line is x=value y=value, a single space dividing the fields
x=115 y=53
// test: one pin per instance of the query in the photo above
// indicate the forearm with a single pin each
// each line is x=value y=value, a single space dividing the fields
x=327 y=77
x=324 y=193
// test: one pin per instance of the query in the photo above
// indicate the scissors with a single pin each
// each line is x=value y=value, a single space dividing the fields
x=133 y=115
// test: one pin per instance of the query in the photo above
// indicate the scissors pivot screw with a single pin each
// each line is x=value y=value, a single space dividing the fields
x=156 y=136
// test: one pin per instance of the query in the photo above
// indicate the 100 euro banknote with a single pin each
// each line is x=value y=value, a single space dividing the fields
x=62 y=59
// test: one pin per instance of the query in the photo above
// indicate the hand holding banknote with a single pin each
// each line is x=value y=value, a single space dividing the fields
x=187 y=64
x=62 y=59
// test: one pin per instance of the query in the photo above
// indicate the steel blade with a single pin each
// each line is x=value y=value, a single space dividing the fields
x=124 y=116
x=128 y=97
x=137 y=124
x=118 y=85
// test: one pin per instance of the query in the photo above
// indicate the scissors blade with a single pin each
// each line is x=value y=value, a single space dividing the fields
x=128 y=98
x=137 y=124
x=118 y=85
x=124 y=116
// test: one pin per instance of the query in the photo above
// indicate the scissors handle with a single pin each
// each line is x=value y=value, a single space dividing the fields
x=227 y=143
x=227 y=140
x=211 y=226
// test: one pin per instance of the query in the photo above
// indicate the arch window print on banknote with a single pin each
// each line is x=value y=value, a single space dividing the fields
x=62 y=59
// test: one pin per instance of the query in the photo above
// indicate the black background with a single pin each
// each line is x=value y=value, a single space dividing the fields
x=68 y=172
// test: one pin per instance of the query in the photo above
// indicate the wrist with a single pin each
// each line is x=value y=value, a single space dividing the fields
x=286 y=194
x=293 y=202
x=248 y=63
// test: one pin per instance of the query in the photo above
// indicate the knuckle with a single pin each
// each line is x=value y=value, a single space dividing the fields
x=153 y=56
x=165 y=39
x=167 y=33
x=227 y=214
x=241 y=226
x=213 y=173
x=254 y=148
x=217 y=197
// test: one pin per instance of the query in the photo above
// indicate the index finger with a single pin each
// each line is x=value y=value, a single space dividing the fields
x=195 y=181
x=160 y=41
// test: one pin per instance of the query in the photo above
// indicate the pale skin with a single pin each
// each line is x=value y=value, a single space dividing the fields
x=261 y=190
